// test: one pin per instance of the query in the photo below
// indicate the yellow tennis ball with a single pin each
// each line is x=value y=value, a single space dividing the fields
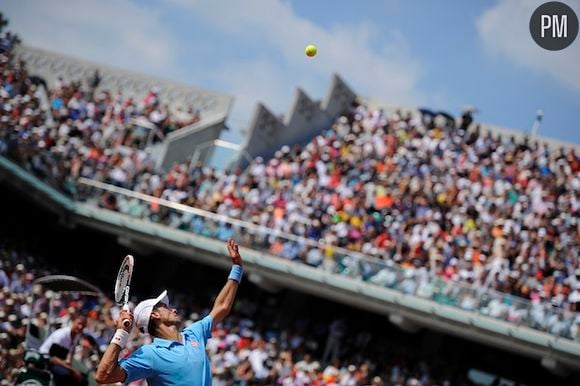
x=310 y=50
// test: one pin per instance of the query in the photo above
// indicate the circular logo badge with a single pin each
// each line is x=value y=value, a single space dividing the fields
x=554 y=26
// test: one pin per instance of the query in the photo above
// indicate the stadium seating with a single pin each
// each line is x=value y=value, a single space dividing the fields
x=242 y=348
x=395 y=200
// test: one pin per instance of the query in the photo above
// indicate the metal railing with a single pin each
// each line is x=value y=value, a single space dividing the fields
x=419 y=282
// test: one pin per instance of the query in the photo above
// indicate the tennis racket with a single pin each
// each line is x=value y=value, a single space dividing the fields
x=122 y=285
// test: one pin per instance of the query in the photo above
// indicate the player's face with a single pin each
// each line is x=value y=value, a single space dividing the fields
x=168 y=314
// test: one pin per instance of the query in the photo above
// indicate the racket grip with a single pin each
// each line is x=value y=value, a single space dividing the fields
x=126 y=322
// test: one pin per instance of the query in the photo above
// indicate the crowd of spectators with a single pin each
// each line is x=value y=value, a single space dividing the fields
x=81 y=126
x=22 y=302
x=254 y=346
x=496 y=214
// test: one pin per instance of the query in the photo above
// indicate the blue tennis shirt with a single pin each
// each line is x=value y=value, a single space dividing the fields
x=170 y=363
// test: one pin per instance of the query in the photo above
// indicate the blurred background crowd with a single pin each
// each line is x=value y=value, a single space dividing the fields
x=416 y=197
x=436 y=208
x=257 y=345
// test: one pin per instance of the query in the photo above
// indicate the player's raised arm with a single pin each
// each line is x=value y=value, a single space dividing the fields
x=225 y=299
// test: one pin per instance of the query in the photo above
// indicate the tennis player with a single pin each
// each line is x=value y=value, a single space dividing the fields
x=174 y=357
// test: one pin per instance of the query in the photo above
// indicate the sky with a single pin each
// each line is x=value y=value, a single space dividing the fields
x=442 y=55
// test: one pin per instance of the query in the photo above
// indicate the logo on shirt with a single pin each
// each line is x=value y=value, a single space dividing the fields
x=194 y=344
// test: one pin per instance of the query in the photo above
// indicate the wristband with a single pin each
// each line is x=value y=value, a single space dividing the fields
x=236 y=273
x=120 y=338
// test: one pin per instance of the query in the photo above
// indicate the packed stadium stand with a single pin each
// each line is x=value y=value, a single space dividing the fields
x=271 y=338
x=248 y=347
x=435 y=222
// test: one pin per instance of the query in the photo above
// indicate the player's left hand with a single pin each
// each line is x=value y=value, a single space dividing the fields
x=234 y=252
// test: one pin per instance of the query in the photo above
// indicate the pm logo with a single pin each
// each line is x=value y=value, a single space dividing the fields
x=554 y=26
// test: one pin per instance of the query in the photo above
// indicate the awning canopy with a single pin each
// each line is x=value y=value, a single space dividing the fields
x=64 y=283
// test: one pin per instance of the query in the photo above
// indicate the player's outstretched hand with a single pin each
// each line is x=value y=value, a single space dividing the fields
x=124 y=315
x=234 y=252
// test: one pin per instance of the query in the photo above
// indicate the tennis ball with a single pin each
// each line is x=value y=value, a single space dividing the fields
x=310 y=50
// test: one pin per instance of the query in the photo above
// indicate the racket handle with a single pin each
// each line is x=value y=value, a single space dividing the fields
x=126 y=322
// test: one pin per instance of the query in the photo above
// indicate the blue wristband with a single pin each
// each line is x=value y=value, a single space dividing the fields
x=236 y=273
